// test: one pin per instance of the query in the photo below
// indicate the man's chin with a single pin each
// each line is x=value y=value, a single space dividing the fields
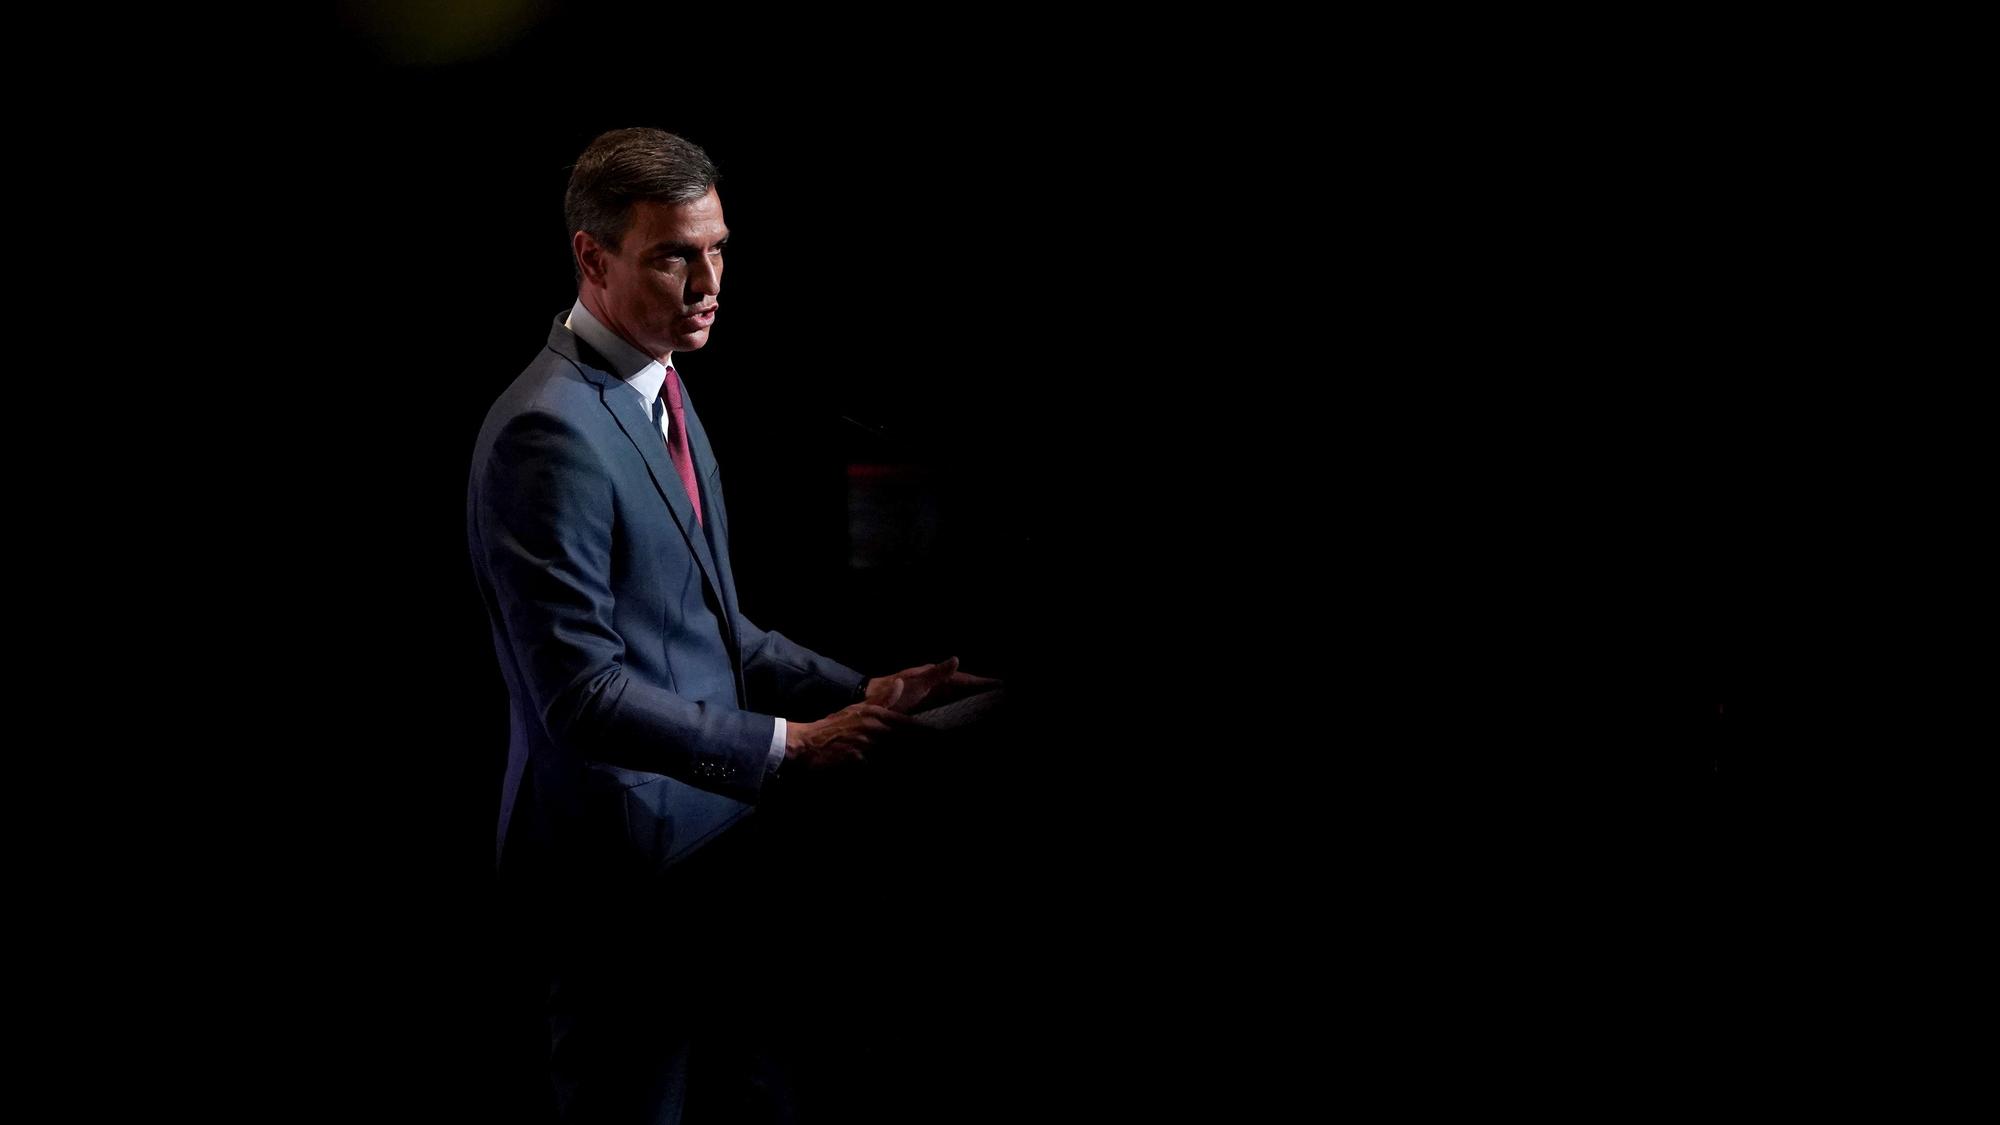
x=691 y=342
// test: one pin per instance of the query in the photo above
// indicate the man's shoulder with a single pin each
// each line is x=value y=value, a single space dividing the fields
x=554 y=377
x=552 y=386
x=559 y=376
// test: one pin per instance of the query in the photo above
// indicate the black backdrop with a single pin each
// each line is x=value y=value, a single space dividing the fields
x=1312 y=486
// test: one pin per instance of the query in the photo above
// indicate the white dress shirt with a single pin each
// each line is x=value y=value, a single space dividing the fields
x=646 y=375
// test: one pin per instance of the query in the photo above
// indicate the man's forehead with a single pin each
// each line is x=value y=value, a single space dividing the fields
x=656 y=220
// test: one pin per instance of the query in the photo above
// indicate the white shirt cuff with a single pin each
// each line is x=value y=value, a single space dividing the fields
x=777 y=756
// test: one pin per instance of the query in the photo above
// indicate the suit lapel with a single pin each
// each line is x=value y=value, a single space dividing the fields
x=716 y=520
x=638 y=427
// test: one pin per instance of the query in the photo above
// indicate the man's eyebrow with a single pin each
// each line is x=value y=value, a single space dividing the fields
x=681 y=247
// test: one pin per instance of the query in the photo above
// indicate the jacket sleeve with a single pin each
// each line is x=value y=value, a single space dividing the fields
x=785 y=677
x=543 y=515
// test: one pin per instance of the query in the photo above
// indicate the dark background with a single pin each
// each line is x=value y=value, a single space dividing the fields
x=1309 y=452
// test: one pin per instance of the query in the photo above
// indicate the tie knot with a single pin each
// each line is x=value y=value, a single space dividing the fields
x=671 y=390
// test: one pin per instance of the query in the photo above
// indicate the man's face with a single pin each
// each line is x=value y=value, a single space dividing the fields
x=659 y=289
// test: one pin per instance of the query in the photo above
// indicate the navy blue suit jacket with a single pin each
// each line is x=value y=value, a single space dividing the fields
x=641 y=699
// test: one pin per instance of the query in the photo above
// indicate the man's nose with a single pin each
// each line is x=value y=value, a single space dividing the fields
x=706 y=276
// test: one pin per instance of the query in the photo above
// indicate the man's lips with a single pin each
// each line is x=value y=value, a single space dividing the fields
x=703 y=314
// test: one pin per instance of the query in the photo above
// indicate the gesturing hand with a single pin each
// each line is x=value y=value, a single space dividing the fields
x=847 y=735
x=925 y=685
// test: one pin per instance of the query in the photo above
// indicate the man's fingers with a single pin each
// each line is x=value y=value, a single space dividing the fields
x=938 y=671
x=947 y=672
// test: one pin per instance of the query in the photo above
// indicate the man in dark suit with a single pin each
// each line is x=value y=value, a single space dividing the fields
x=648 y=716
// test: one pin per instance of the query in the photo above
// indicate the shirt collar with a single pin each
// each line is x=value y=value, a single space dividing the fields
x=641 y=371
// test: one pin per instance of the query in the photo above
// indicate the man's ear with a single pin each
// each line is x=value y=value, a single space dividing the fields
x=589 y=256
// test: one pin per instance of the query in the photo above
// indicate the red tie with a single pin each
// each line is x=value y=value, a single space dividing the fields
x=677 y=444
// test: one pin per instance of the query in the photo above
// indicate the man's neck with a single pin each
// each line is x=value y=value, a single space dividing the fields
x=594 y=304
